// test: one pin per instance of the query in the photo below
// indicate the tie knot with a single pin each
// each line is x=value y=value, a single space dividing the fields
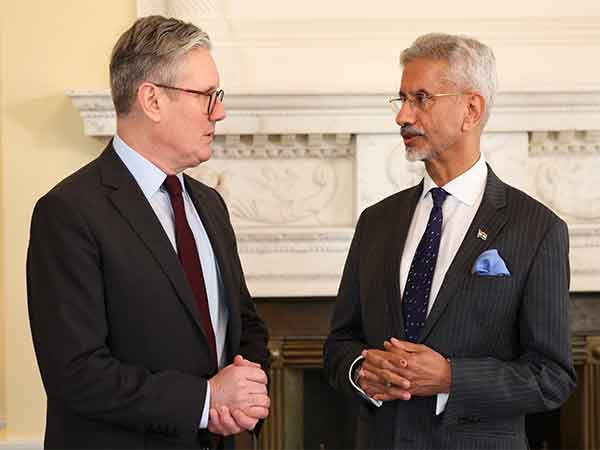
x=438 y=195
x=172 y=185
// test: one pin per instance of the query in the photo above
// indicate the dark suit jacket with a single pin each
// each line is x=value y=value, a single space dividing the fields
x=117 y=333
x=507 y=337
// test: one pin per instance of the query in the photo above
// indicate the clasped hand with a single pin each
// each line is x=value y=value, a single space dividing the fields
x=403 y=370
x=238 y=397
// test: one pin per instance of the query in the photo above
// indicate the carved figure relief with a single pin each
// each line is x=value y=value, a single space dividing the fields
x=274 y=194
x=570 y=187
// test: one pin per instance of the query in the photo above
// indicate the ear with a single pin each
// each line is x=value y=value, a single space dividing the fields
x=476 y=108
x=149 y=100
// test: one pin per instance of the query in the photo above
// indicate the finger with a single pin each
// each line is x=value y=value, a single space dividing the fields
x=255 y=374
x=256 y=388
x=373 y=389
x=376 y=358
x=228 y=422
x=214 y=422
x=239 y=360
x=366 y=365
x=406 y=346
x=394 y=379
x=373 y=370
x=384 y=360
x=245 y=422
x=393 y=393
x=371 y=376
x=399 y=352
x=261 y=400
x=258 y=412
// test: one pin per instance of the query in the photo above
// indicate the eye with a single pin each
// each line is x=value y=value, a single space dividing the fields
x=421 y=98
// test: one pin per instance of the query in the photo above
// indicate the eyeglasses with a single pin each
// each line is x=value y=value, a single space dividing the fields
x=420 y=100
x=214 y=97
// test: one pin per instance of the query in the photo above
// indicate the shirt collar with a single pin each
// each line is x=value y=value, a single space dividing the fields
x=149 y=177
x=467 y=187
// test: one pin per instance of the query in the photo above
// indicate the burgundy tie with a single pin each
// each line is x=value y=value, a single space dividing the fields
x=188 y=255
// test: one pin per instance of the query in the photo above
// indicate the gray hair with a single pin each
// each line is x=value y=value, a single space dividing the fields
x=152 y=47
x=472 y=64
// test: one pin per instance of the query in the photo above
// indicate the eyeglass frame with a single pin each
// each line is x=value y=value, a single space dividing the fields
x=213 y=96
x=412 y=99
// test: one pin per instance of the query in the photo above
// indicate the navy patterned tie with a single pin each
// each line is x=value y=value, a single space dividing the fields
x=418 y=283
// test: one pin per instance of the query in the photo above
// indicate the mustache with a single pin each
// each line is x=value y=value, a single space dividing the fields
x=408 y=131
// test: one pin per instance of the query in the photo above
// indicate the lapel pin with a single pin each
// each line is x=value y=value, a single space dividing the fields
x=481 y=234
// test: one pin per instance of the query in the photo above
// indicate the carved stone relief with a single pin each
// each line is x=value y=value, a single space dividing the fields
x=567 y=165
x=282 y=180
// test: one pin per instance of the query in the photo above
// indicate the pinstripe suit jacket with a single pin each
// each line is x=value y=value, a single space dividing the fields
x=507 y=337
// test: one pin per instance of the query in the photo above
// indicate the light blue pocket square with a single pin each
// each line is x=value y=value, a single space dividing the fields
x=490 y=264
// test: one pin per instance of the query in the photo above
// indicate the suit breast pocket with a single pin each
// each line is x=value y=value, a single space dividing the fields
x=492 y=300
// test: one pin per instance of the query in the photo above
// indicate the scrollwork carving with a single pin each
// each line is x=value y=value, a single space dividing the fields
x=274 y=195
x=559 y=183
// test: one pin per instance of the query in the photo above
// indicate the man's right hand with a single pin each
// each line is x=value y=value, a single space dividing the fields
x=238 y=397
x=372 y=381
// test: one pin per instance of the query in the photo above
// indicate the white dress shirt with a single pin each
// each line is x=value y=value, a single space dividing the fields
x=150 y=180
x=459 y=209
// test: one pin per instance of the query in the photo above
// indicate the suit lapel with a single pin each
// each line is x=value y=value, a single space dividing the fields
x=216 y=230
x=129 y=200
x=400 y=223
x=490 y=218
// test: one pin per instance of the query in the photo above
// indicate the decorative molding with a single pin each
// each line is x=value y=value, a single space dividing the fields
x=582 y=236
x=354 y=113
x=293 y=277
x=283 y=146
x=97 y=111
x=315 y=162
x=565 y=142
x=295 y=242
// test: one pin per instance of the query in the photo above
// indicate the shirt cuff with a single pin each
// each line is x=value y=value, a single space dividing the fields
x=204 y=419
x=440 y=403
x=362 y=393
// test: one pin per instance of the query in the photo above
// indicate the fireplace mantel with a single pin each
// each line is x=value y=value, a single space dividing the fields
x=297 y=170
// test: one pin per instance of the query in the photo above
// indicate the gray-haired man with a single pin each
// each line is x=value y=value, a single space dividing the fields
x=145 y=333
x=451 y=317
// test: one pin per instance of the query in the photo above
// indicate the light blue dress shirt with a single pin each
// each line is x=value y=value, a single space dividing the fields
x=150 y=179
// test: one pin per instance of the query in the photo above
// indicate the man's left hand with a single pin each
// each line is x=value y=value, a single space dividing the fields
x=427 y=372
x=225 y=422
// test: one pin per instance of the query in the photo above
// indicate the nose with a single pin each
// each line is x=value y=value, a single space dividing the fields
x=218 y=112
x=406 y=115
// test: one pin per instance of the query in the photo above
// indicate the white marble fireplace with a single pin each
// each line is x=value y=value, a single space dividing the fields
x=310 y=140
x=297 y=170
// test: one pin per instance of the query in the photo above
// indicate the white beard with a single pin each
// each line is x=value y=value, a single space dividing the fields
x=413 y=154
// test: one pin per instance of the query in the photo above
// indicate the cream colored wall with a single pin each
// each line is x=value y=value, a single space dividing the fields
x=2 y=300
x=48 y=47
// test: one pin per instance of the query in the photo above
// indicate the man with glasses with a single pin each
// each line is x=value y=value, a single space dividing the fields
x=451 y=317
x=144 y=330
